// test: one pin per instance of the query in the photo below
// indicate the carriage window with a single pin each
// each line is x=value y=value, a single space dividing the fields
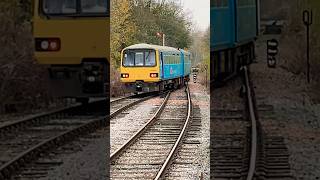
x=60 y=6
x=140 y=58
x=72 y=7
x=91 y=6
x=246 y=2
x=150 y=58
x=128 y=59
x=219 y=3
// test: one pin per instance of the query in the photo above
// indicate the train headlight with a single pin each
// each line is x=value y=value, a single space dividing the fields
x=47 y=44
x=153 y=75
x=91 y=79
x=124 y=75
x=44 y=45
x=53 y=45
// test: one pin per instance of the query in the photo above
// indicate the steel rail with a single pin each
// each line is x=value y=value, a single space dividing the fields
x=254 y=133
x=140 y=131
x=8 y=168
x=119 y=99
x=37 y=118
x=166 y=164
x=118 y=111
x=132 y=96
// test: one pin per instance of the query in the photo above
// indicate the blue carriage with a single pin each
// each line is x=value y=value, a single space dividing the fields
x=234 y=28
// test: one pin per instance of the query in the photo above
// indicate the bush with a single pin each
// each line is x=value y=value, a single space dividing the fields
x=22 y=80
x=116 y=87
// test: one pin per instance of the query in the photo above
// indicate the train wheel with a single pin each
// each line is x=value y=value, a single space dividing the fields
x=182 y=82
x=176 y=85
x=161 y=90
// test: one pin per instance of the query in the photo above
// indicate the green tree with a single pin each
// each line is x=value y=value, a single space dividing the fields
x=123 y=28
x=138 y=21
x=161 y=16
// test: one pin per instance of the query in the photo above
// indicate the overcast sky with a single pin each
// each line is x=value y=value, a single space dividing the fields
x=200 y=12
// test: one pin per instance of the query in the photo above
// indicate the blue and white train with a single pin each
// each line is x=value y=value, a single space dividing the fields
x=146 y=67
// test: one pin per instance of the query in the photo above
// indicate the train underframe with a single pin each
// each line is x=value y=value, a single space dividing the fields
x=227 y=62
x=141 y=86
x=90 y=79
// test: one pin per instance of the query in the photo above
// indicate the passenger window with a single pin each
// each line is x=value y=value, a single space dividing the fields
x=150 y=58
x=94 y=6
x=128 y=59
x=76 y=7
x=139 y=59
x=59 y=6
x=219 y=3
x=246 y=2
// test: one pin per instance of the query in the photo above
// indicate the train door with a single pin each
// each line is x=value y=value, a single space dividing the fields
x=182 y=61
x=161 y=65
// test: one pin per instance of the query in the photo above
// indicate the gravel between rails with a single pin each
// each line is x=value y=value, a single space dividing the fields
x=144 y=158
x=128 y=122
x=228 y=128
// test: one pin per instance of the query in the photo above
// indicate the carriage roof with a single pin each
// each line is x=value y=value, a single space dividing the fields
x=151 y=46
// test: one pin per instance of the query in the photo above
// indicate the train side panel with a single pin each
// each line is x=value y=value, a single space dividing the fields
x=239 y=21
x=186 y=63
x=183 y=60
x=246 y=21
x=188 y=66
x=222 y=24
x=171 y=65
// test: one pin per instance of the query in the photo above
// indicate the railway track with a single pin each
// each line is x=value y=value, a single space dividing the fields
x=148 y=153
x=25 y=140
x=240 y=148
x=122 y=104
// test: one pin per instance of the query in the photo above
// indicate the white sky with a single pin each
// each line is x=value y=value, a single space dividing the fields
x=200 y=12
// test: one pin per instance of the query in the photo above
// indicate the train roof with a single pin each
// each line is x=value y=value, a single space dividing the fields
x=151 y=46
x=185 y=52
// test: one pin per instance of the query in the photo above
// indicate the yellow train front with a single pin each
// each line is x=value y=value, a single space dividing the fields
x=146 y=68
x=72 y=38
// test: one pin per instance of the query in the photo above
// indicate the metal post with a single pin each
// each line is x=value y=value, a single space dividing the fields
x=308 y=55
x=259 y=16
x=307 y=20
x=206 y=76
x=163 y=39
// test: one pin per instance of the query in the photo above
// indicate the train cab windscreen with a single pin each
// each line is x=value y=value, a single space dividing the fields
x=139 y=58
x=75 y=7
